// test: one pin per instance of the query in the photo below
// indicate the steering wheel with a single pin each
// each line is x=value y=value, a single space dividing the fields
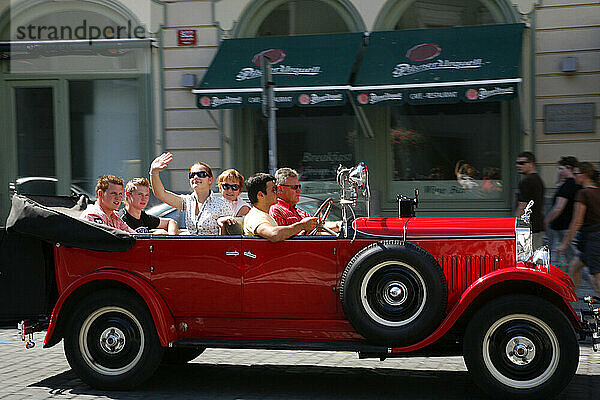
x=321 y=214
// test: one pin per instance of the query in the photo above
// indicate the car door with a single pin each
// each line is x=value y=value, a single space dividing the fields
x=294 y=278
x=198 y=275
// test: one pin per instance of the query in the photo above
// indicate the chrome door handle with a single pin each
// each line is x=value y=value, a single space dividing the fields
x=249 y=254
x=232 y=253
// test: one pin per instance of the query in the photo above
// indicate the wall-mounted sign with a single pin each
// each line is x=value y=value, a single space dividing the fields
x=186 y=37
x=569 y=118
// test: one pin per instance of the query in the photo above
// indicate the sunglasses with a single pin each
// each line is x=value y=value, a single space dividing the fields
x=577 y=173
x=522 y=162
x=227 y=186
x=293 y=187
x=199 y=174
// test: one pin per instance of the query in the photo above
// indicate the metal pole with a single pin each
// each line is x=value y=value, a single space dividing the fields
x=272 y=130
x=269 y=101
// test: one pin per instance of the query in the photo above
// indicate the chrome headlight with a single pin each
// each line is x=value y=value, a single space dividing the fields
x=524 y=248
x=541 y=258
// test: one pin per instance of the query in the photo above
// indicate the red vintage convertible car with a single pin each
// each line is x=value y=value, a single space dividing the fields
x=383 y=287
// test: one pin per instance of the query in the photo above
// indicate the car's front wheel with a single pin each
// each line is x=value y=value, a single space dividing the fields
x=522 y=347
x=111 y=341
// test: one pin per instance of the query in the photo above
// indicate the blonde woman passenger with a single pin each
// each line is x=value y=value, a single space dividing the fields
x=203 y=210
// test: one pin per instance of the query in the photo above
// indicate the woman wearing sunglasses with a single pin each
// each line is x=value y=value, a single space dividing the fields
x=202 y=209
x=230 y=184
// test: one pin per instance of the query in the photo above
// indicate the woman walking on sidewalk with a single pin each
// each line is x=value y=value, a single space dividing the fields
x=586 y=219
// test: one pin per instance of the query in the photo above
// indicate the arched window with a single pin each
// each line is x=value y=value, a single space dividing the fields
x=417 y=14
x=297 y=18
x=447 y=13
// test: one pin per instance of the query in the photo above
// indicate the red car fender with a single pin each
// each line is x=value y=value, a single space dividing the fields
x=485 y=282
x=163 y=319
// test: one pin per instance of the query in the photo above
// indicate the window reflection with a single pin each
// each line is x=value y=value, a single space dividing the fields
x=314 y=142
x=447 y=151
x=105 y=130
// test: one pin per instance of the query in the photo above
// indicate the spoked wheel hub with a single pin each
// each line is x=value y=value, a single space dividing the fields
x=520 y=350
x=112 y=340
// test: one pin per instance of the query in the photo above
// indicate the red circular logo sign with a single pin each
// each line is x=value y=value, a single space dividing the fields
x=423 y=52
x=472 y=94
x=273 y=55
x=205 y=101
x=362 y=98
x=304 y=99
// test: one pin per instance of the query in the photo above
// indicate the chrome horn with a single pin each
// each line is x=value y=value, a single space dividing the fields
x=353 y=181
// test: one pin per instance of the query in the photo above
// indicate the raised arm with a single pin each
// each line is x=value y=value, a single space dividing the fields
x=158 y=188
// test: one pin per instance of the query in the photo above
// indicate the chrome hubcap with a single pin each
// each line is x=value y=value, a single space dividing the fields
x=520 y=350
x=395 y=293
x=112 y=340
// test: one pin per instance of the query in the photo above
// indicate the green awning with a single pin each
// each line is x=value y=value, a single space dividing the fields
x=315 y=71
x=427 y=66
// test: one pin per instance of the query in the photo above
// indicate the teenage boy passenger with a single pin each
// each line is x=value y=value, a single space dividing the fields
x=109 y=195
x=137 y=194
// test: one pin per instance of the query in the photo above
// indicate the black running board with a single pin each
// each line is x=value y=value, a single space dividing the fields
x=281 y=345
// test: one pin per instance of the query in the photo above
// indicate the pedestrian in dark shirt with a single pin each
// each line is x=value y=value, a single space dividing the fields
x=531 y=187
x=559 y=217
x=137 y=194
x=586 y=220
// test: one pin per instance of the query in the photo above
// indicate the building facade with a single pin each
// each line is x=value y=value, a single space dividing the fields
x=112 y=110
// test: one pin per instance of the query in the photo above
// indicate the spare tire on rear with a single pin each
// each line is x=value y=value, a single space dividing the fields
x=394 y=293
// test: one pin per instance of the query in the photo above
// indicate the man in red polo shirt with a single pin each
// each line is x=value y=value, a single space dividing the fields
x=288 y=195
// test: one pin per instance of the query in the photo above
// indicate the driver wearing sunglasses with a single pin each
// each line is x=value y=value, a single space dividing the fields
x=204 y=212
x=288 y=192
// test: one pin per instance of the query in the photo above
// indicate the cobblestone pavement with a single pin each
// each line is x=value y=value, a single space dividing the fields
x=251 y=374
x=261 y=374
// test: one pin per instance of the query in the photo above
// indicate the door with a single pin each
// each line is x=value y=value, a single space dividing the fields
x=39 y=145
x=198 y=276
x=295 y=278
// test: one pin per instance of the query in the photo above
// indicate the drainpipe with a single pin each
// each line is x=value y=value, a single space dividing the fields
x=532 y=86
x=221 y=125
x=158 y=148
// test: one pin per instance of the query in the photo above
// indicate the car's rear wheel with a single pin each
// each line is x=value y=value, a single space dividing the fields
x=393 y=294
x=521 y=347
x=111 y=341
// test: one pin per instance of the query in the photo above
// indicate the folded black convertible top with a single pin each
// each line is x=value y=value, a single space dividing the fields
x=54 y=219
